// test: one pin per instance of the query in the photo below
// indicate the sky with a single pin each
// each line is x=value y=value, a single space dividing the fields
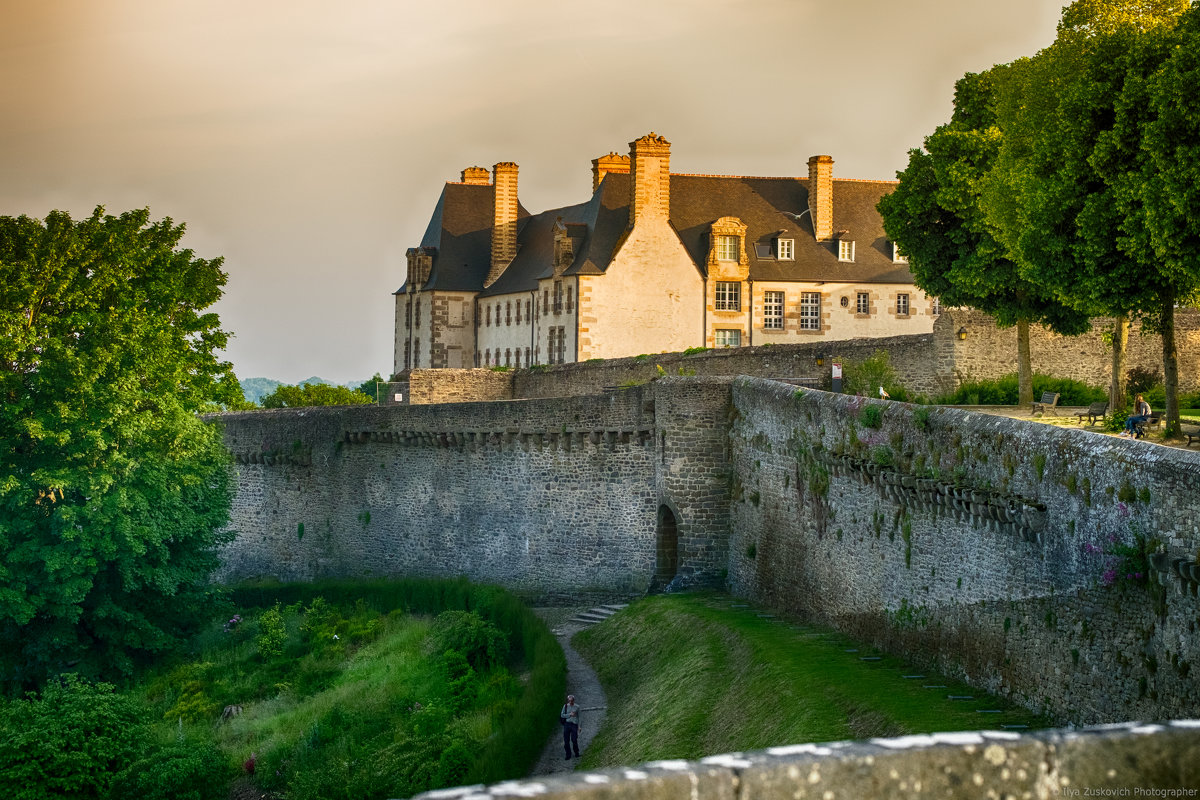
x=307 y=141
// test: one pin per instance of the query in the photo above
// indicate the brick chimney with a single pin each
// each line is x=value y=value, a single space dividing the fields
x=605 y=164
x=476 y=176
x=650 y=189
x=820 y=196
x=504 y=218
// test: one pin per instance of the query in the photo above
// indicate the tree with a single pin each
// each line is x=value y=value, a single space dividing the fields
x=954 y=252
x=314 y=394
x=114 y=495
x=370 y=387
x=1051 y=193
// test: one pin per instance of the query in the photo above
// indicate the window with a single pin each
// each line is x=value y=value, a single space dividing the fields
x=897 y=256
x=508 y=313
x=528 y=313
x=570 y=299
x=545 y=301
x=729 y=296
x=408 y=315
x=727 y=248
x=489 y=316
x=557 y=344
x=935 y=306
x=417 y=353
x=407 y=356
x=487 y=357
x=902 y=304
x=558 y=297
x=507 y=357
x=728 y=338
x=773 y=311
x=527 y=361
x=810 y=311
x=418 y=322
x=846 y=250
x=863 y=303
x=518 y=312
x=786 y=247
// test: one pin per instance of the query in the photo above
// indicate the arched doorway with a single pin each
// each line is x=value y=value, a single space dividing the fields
x=666 y=548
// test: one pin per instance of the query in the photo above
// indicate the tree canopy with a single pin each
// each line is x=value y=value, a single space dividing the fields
x=114 y=495
x=316 y=394
x=1069 y=179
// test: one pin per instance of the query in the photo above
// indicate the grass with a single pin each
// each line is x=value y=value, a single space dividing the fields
x=690 y=675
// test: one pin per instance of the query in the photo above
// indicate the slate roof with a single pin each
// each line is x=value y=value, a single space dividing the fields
x=770 y=208
x=461 y=231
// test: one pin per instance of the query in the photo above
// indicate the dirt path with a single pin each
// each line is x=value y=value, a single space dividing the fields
x=581 y=682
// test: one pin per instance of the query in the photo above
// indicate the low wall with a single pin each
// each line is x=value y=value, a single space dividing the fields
x=972 y=544
x=1121 y=761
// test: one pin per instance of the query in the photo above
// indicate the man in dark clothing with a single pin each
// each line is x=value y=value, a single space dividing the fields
x=570 y=722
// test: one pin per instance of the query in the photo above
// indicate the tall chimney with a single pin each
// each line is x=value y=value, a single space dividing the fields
x=504 y=218
x=605 y=164
x=476 y=176
x=650 y=189
x=820 y=196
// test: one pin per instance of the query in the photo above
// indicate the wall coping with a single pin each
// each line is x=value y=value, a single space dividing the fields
x=1133 y=759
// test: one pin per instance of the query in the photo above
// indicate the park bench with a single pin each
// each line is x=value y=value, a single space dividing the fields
x=1095 y=412
x=1047 y=404
x=1192 y=433
x=1139 y=428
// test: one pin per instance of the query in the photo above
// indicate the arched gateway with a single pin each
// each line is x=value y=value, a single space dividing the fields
x=666 y=564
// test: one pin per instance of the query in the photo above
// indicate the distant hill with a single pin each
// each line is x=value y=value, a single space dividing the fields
x=255 y=389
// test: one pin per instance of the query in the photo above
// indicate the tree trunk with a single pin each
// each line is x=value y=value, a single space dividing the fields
x=1170 y=365
x=1024 y=367
x=1120 y=342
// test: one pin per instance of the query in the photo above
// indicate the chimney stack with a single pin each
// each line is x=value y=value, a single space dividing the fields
x=504 y=218
x=605 y=164
x=476 y=176
x=820 y=196
x=650 y=188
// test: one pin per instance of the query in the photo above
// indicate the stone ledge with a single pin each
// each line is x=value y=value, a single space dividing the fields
x=1126 y=760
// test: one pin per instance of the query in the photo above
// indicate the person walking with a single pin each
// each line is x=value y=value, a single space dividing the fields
x=570 y=724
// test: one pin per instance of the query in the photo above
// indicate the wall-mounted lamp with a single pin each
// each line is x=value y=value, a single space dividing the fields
x=962 y=333
x=820 y=360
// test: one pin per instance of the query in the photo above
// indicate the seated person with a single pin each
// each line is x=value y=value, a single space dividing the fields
x=1135 y=421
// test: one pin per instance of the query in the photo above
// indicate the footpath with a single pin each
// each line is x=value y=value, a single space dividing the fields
x=581 y=682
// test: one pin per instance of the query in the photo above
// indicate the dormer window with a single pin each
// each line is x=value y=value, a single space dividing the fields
x=727 y=248
x=845 y=250
x=897 y=256
x=785 y=249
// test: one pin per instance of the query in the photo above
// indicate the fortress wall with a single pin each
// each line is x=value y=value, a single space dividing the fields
x=1014 y=606
x=552 y=497
x=426 y=386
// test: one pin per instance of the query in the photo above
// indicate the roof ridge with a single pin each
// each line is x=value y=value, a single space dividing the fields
x=777 y=177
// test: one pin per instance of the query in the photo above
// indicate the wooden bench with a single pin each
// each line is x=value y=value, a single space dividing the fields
x=1095 y=412
x=1047 y=404
x=1154 y=421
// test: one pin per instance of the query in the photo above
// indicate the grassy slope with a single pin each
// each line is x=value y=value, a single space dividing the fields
x=689 y=675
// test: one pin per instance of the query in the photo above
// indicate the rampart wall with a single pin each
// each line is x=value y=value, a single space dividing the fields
x=971 y=543
x=558 y=497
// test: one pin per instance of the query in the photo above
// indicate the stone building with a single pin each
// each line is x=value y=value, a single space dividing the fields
x=651 y=262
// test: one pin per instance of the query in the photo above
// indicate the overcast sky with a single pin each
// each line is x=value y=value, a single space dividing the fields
x=307 y=142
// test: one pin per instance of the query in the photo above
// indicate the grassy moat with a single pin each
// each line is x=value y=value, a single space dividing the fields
x=693 y=675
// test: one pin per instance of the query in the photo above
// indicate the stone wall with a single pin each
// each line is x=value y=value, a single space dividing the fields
x=430 y=386
x=561 y=497
x=990 y=352
x=1130 y=760
x=967 y=542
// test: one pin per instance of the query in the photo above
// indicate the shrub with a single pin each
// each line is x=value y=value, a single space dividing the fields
x=1003 y=392
x=184 y=771
x=1142 y=379
x=272 y=633
x=866 y=376
x=871 y=416
x=479 y=641
x=69 y=742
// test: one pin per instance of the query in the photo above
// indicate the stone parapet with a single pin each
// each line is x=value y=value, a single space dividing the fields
x=1129 y=760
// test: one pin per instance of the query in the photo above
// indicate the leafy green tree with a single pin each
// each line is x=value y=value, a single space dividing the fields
x=1052 y=194
x=69 y=742
x=315 y=394
x=954 y=252
x=370 y=387
x=114 y=495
